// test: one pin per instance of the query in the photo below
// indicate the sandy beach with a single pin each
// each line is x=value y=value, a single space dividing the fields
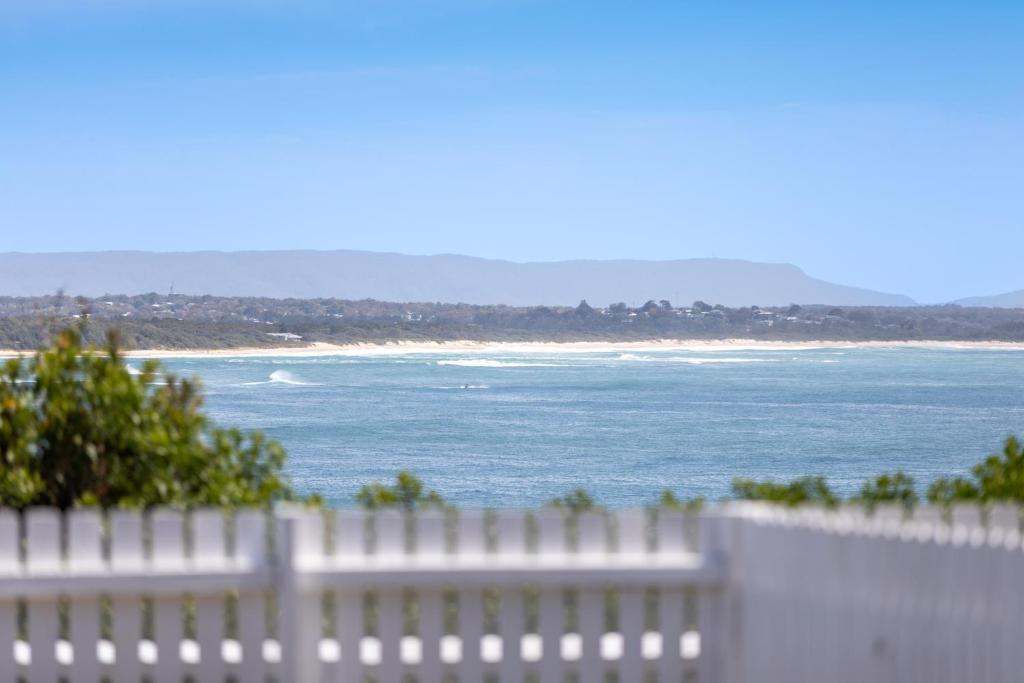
x=401 y=348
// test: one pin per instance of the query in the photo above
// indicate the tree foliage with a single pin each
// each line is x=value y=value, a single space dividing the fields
x=997 y=478
x=896 y=488
x=407 y=493
x=576 y=501
x=77 y=427
x=796 y=492
x=670 y=501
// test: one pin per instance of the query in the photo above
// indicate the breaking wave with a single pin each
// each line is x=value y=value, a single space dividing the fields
x=692 y=360
x=282 y=377
x=488 y=363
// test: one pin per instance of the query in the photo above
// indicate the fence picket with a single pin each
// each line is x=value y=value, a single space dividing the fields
x=168 y=617
x=755 y=571
x=711 y=607
x=391 y=549
x=85 y=557
x=9 y=566
x=430 y=546
x=251 y=553
x=301 y=545
x=389 y=632
x=9 y=542
x=551 y=619
x=349 y=546
x=209 y=552
x=512 y=615
x=914 y=646
x=43 y=557
x=671 y=541
x=792 y=607
x=1003 y=544
x=592 y=547
x=1012 y=633
x=966 y=519
x=868 y=644
x=1004 y=516
x=891 y=606
x=632 y=536
x=471 y=544
x=994 y=621
x=126 y=556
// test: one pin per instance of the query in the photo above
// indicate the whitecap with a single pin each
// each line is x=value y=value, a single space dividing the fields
x=488 y=363
x=282 y=377
x=692 y=360
x=713 y=361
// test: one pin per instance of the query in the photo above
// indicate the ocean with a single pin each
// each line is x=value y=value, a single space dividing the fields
x=503 y=429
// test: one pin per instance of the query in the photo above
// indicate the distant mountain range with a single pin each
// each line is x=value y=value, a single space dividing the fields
x=443 y=278
x=1007 y=300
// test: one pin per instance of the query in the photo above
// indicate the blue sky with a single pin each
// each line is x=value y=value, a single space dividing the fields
x=878 y=144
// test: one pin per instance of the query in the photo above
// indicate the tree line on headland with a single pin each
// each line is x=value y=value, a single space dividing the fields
x=154 y=321
x=79 y=428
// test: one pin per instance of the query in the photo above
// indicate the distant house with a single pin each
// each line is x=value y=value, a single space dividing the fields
x=286 y=336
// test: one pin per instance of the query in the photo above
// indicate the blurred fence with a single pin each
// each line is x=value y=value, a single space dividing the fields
x=737 y=594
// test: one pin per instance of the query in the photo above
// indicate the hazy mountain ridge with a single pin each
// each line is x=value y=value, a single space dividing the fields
x=1006 y=300
x=448 y=278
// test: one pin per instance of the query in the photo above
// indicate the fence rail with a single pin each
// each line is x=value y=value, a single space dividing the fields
x=737 y=594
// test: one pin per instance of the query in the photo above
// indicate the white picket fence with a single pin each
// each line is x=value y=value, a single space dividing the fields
x=847 y=598
x=740 y=594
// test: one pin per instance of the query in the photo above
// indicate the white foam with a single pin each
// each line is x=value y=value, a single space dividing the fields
x=282 y=377
x=692 y=360
x=489 y=363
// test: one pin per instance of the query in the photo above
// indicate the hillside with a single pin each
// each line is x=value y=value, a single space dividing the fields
x=1007 y=300
x=445 y=278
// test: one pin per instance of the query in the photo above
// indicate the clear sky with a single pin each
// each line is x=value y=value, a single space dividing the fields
x=878 y=144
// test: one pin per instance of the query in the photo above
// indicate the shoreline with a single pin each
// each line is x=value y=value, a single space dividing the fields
x=401 y=348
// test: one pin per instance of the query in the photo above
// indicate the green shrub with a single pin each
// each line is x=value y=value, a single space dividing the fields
x=577 y=501
x=896 y=488
x=670 y=501
x=407 y=493
x=796 y=492
x=997 y=478
x=78 y=428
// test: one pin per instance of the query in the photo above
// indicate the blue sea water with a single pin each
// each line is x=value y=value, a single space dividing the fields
x=513 y=429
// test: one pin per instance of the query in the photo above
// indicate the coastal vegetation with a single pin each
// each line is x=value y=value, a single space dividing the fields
x=79 y=428
x=407 y=493
x=155 y=321
x=997 y=479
